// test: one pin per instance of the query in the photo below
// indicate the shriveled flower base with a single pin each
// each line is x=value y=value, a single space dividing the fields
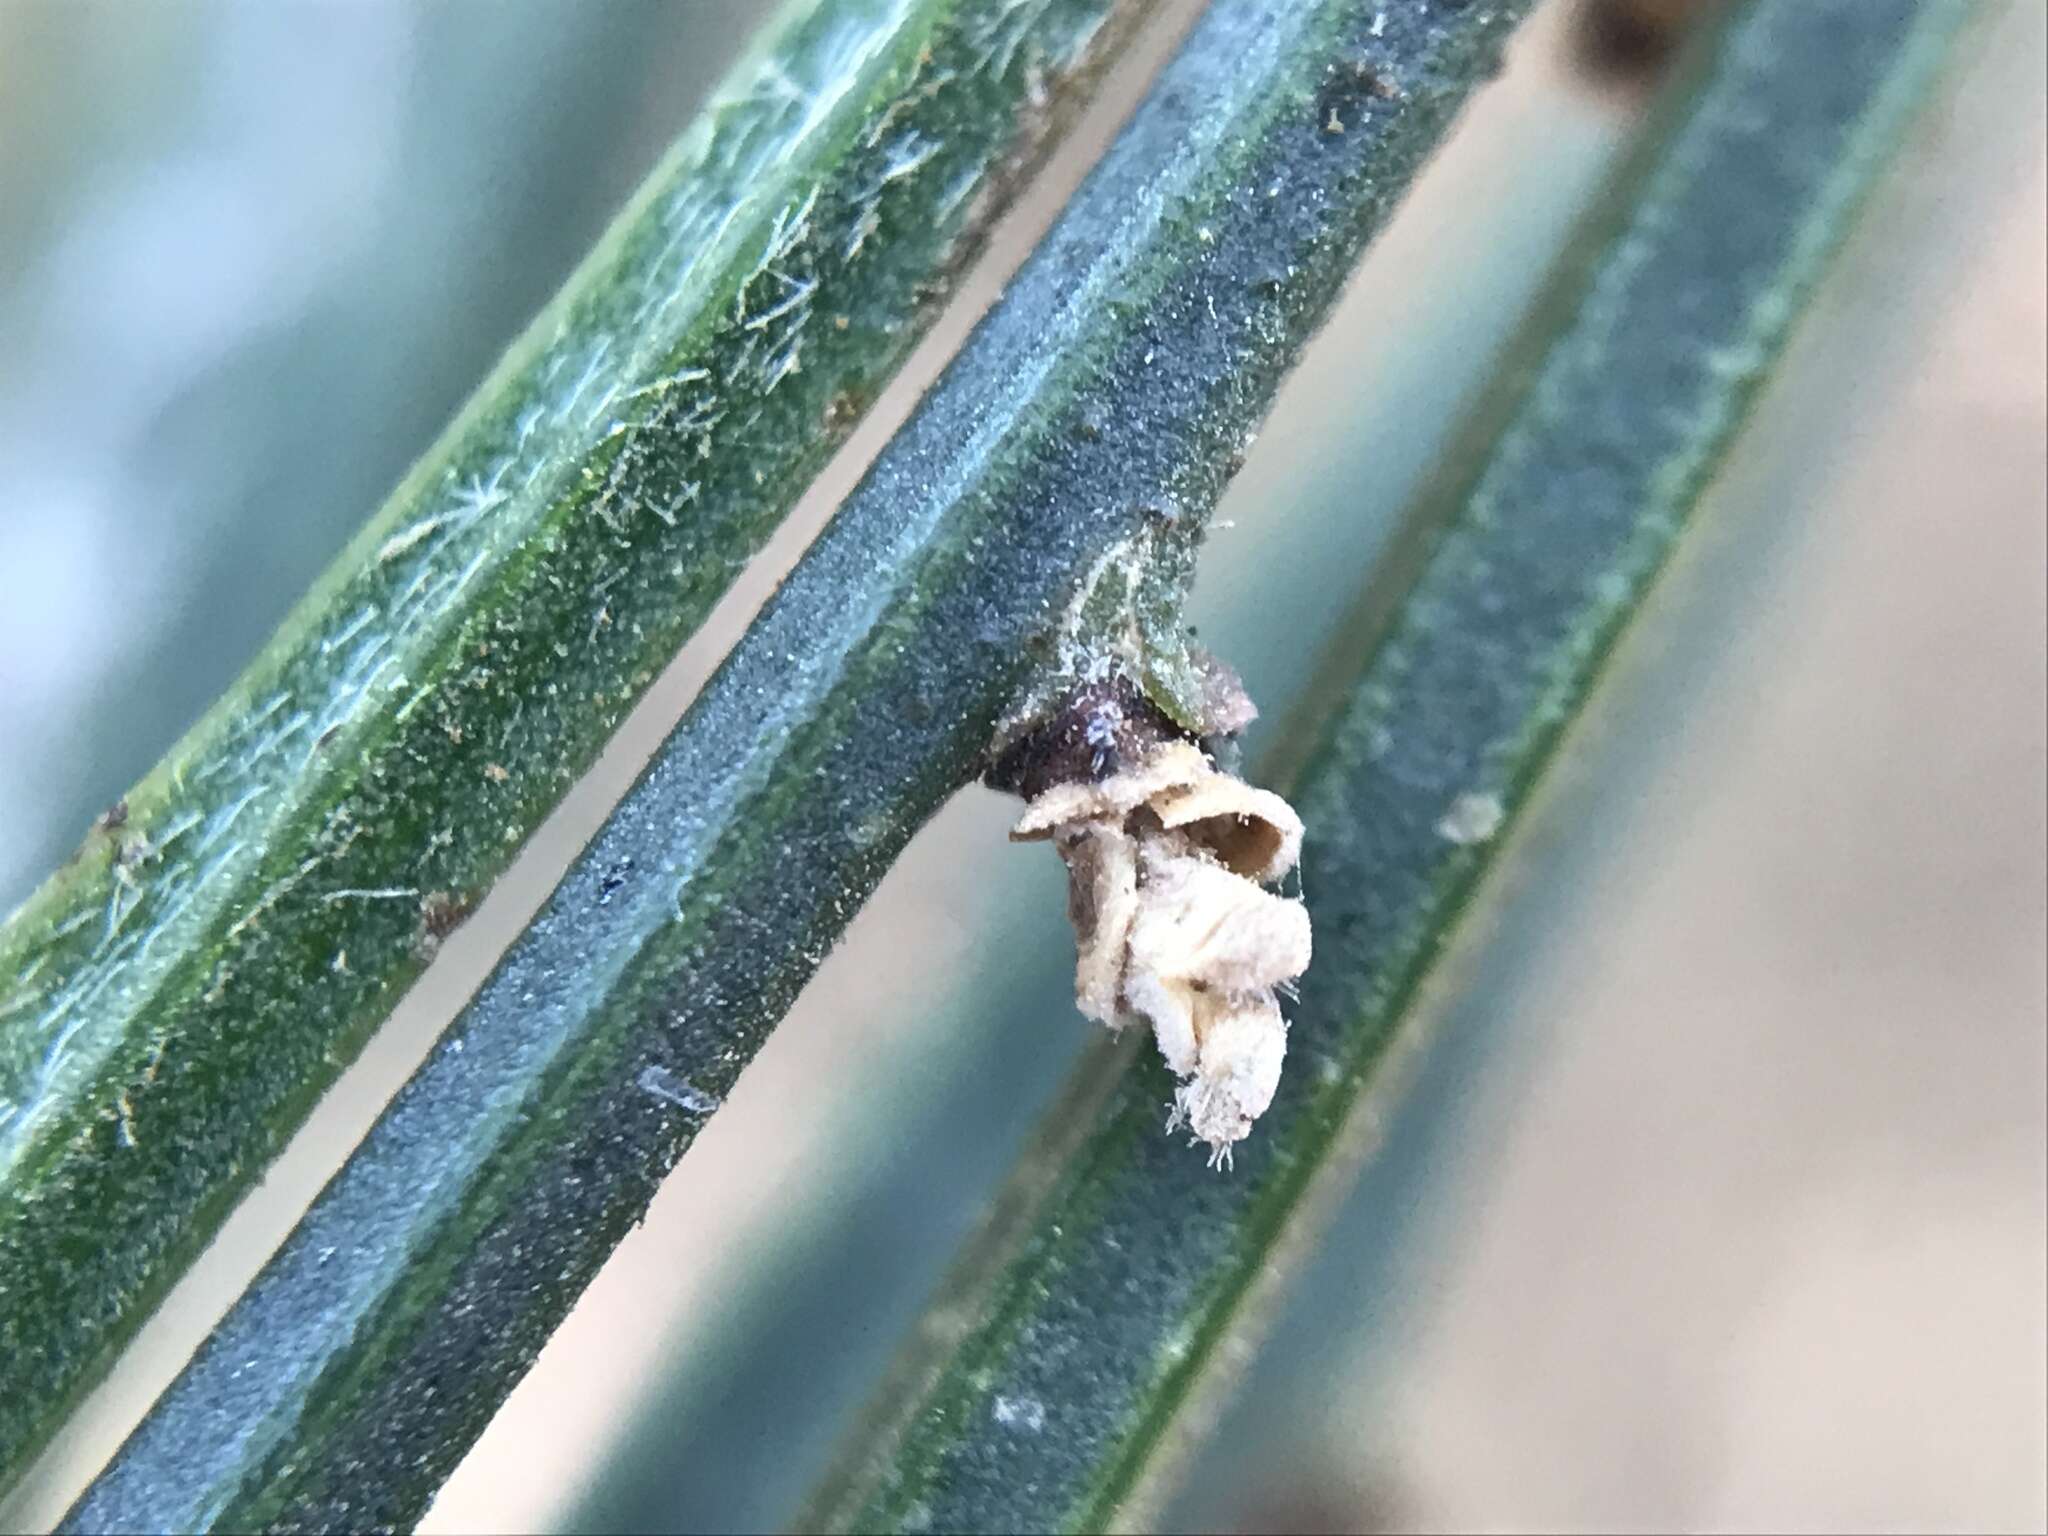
x=1168 y=862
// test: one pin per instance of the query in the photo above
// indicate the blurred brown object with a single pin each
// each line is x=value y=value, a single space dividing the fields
x=1627 y=43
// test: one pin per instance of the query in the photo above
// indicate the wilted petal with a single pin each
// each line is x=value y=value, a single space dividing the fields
x=1253 y=832
x=1199 y=922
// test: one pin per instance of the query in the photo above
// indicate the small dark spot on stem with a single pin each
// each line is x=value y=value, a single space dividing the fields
x=613 y=878
x=1629 y=42
x=1382 y=86
x=844 y=409
x=441 y=913
x=1347 y=94
x=1091 y=733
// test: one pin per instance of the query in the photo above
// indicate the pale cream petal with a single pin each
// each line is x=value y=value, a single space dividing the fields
x=1252 y=831
x=1102 y=900
x=1235 y=1079
x=1174 y=764
x=1172 y=925
x=1199 y=922
x=1242 y=1051
x=1169 y=1007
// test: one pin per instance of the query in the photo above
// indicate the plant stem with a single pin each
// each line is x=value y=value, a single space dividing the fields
x=1125 y=1265
x=1119 y=378
x=178 y=996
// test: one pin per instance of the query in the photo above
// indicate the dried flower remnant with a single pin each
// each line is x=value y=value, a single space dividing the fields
x=1168 y=859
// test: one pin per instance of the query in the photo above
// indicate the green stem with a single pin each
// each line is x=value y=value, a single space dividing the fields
x=1115 y=383
x=1125 y=1264
x=177 y=997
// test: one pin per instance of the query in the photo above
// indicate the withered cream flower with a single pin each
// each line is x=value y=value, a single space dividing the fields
x=1167 y=862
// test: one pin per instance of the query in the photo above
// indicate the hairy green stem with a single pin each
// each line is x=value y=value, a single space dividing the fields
x=1060 y=1355
x=1092 y=420
x=175 y=999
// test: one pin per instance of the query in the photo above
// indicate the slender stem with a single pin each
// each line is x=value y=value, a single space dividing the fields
x=1105 y=1303
x=175 y=999
x=1117 y=380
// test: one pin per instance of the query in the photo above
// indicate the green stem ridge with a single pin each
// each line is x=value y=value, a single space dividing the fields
x=1108 y=394
x=175 y=999
x=1046 y=1410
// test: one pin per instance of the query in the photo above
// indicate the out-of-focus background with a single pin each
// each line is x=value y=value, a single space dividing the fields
x=1721 y=1197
